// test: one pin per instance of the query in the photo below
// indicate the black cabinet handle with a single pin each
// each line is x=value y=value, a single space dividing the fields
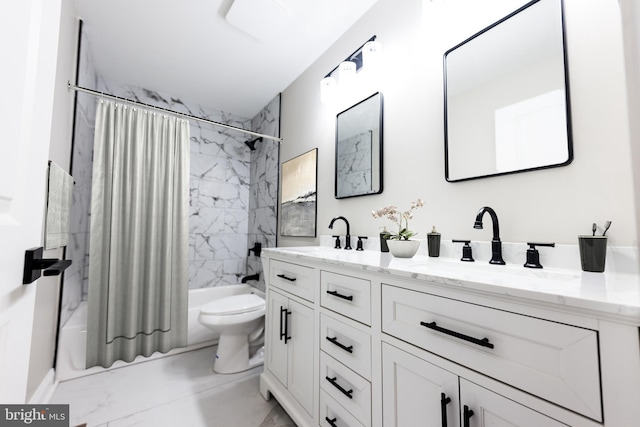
x=468 y=413
x=444 y=401
x=284 y=333
x=339 y=387
x=336 y=294
x=484 y=342
x=282 y=276
x=332 y=422
x=286 y=326
x=334 y=340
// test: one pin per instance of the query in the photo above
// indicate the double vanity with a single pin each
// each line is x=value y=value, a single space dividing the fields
x=360 y=338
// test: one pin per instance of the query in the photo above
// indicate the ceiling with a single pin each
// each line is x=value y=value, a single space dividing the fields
x=230 y=55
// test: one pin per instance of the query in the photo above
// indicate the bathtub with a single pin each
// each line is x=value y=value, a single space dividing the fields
x=71 y=357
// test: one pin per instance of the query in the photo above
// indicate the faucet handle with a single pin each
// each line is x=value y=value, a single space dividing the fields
x=337 y=246
x=467 y=254
x=359 y=245
x=533 y=256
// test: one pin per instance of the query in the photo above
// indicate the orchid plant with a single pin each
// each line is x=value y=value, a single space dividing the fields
x=400 y=218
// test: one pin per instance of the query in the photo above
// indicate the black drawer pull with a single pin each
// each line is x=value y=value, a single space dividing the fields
x=336 y=294
x=444 y=401
x=334 y=340
x=468 y=413
x=282 y=276
x=332 y=422
x=336 y=385
x=484 y=342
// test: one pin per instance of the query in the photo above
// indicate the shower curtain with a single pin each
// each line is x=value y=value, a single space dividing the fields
x=138 y=273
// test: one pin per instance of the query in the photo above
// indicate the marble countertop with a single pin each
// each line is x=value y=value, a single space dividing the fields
x=615 y=294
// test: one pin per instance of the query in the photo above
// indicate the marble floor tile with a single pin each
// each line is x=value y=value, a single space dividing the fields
x=175 y=390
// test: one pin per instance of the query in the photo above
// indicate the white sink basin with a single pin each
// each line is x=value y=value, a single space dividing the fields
x=510 y=270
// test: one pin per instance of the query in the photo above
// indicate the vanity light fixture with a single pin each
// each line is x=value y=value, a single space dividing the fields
x=367 y=55
x=346 y=72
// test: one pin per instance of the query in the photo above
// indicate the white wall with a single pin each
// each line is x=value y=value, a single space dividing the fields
x=48 y=288
x=631 y=24
x=550 y=205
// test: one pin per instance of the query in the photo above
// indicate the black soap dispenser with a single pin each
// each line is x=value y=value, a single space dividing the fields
x=384 y=236
x=433 y=242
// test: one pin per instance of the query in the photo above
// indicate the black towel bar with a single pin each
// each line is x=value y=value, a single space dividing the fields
x=35 y=265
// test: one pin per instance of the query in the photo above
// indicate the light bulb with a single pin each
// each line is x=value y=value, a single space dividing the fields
x=371 y=53
x=346 y=71
x=327 y=90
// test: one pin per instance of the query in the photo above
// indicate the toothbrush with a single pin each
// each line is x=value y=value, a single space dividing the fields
x=606 y=227
x=593 y=228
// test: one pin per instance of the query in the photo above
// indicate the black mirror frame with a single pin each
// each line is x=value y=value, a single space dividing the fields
x=380 y=149
x=567 y=99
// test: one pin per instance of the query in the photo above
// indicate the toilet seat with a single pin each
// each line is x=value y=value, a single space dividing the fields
x=235 y=304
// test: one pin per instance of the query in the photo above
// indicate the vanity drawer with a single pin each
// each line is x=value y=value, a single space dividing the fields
x=347 y=344
x=346 y=295
x=346 y=387
x=293 y=278
x=333 y=414
x=554 y=361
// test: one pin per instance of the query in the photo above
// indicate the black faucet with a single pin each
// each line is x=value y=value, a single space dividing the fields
x=496 y=244
x=252 y=277
x=347 y=244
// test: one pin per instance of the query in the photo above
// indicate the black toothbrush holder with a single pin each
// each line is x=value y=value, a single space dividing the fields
x=593 y=253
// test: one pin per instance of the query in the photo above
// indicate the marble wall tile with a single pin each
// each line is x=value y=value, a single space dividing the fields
x=222 y=195
x=209 y=168
x=263 y=213
x=74 y=286
x=71 y=295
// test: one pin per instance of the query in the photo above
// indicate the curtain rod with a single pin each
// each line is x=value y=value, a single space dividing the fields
x=187 y=116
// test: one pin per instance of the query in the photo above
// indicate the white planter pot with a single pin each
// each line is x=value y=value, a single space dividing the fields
x=403 y=248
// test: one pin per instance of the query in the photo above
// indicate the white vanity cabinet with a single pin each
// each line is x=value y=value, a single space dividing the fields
x=550 y=360
x=345 y=356
x=289 y=353
x=419 y=393
x=290 y=339
x=416 y=391
x=395 y=343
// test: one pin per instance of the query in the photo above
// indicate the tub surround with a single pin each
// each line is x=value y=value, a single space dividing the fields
x=263 y=195
x=548 y=346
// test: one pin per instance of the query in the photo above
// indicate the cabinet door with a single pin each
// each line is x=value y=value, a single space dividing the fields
x=275 y=345
x=493 y=410
x=416 y=393
x=300 y=354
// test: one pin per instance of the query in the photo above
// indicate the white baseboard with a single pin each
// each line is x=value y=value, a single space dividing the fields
x=45 y=390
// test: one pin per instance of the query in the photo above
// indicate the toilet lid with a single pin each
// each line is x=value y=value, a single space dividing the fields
x=234 y=304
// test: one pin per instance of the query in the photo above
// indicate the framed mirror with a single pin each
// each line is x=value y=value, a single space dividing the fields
x=359 y=149
x=506 y=93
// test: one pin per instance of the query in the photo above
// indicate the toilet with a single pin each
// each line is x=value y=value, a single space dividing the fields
x=239 y=319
